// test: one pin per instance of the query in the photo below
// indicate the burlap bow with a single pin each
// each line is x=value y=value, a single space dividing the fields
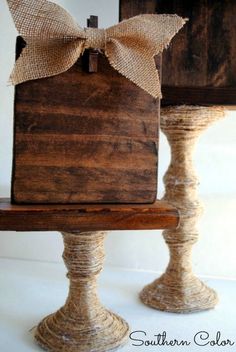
x=55 y=42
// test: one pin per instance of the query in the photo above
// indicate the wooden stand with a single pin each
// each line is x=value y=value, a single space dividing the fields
x=83 y=324
x=178 y=290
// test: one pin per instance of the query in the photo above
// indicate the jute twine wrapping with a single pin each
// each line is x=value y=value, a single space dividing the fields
x=178 y=290
x=55 y=42
x=83 y=324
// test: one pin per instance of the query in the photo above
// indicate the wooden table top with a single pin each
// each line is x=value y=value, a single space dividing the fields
x=87 y=217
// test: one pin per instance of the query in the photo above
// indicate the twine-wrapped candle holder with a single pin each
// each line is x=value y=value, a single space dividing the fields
x=82 y=324
x=178 y=289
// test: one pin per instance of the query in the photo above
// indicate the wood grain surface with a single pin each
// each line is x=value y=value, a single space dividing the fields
x=81 y=137
x=129 y=8
x=75 y=217
x=203 y=53
x=199 y=67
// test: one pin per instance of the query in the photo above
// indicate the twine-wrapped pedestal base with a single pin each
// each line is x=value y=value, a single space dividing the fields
x=178 y=290
x=83 y=324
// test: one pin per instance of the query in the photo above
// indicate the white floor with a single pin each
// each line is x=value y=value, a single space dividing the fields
x=30 y=290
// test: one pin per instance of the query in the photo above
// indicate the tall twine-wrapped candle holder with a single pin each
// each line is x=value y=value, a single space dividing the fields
x=82 y=324
x=178 y=289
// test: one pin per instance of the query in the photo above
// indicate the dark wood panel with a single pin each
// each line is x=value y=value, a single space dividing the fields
x=100 y=124
x=35 y=150
x=159 y=215
x=81 y=137
x=129 y=8
x=108 y=184
x=198 y=96
x=202 y=57
x=199 y=67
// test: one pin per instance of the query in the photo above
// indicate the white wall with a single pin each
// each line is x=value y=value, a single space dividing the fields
x=144 y=250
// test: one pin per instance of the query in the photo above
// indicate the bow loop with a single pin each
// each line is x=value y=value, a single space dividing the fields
x=55 y=42
x=95 y=38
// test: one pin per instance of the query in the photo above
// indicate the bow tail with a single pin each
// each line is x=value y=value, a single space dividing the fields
x=39 y=60
x=138 y=66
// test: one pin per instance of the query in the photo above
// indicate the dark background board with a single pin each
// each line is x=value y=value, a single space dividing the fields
x=200 y=65
x=129 y=8
x=85 y=138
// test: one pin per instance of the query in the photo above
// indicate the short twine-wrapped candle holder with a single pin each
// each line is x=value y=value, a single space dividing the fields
x=82 y=324
x=178 y=289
